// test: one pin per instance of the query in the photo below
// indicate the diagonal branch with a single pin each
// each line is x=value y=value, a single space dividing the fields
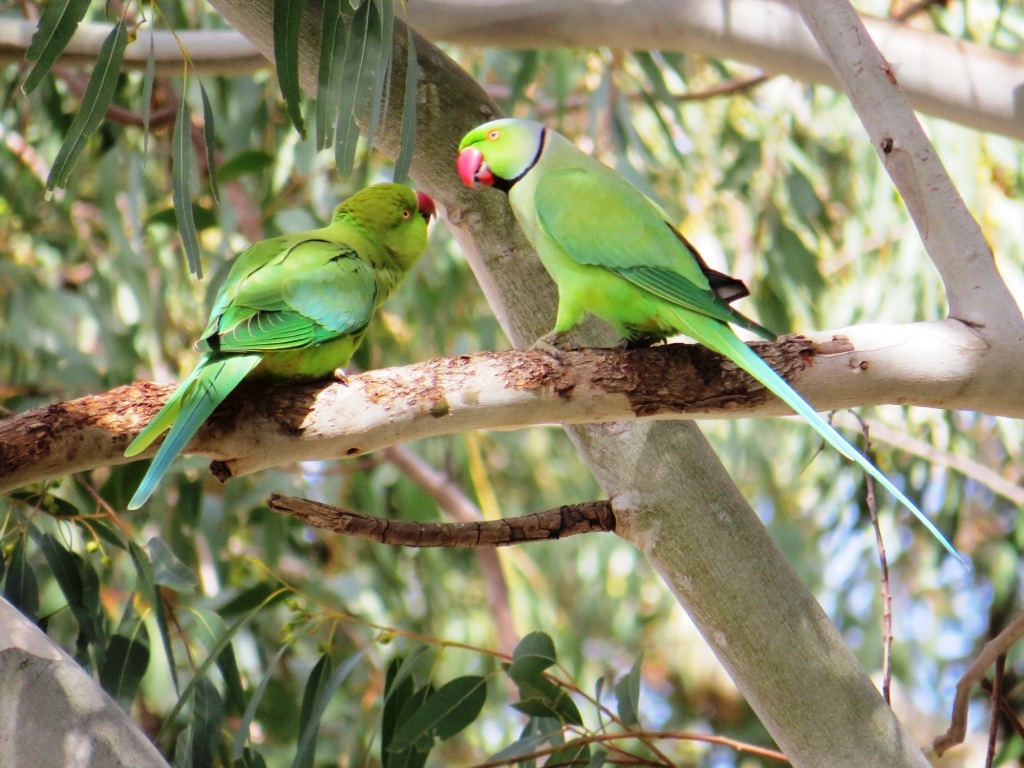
x=977 y=294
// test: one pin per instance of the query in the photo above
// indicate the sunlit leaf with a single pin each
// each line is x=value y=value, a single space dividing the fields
x=168 y=570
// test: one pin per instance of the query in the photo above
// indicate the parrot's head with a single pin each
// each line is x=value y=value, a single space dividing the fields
x=397 y=216
x=499 y=153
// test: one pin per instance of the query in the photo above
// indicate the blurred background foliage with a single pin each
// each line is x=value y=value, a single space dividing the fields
x=772 y=179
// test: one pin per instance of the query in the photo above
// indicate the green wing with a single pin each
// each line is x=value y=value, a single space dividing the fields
x=599 y=218
x=287 y=293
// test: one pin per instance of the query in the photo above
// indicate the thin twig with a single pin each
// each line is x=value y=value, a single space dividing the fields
x=599 y=738
x=993 y=649
x=883 y=563
x=996 y=696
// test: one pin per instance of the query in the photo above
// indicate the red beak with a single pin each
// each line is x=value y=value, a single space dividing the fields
x=426 y=205
x=473 y=169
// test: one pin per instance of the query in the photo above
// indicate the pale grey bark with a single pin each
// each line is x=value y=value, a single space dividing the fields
x=53 y=714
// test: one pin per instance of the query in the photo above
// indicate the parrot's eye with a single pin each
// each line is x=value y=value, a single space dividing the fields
x=407 y=214
x=493 y=135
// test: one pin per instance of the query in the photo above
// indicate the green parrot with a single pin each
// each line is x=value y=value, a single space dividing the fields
x=294 y=307
x=613 y=253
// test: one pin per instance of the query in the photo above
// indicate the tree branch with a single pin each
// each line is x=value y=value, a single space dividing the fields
x=567 y=520
x=977 y=294
x=55 y=713
x=957 y=80
x=264 y=425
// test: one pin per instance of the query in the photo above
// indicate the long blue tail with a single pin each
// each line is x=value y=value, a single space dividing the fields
x=721 y=339
x=204 y=389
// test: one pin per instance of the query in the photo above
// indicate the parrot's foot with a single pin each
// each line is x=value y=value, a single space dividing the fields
x=552 y=344
x=640 y=342
x=340 y=376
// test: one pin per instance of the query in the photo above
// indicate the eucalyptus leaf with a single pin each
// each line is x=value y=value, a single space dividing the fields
x=98 y=93
x=57 y=24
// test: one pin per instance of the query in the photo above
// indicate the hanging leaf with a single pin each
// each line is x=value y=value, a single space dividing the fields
x=238 y=748
x=124 y=666
x=181 y=185
x=208 y=141
x=20 y=586
x=287 y=17
x=382 y=67
x=57 y=25
x=80 y=586
x=334 y=30
x=318 y=697
x=147 y=90
x=147 y=586
x=408 y=142
x=207 y=719
x=357 y=84
x=98 y=93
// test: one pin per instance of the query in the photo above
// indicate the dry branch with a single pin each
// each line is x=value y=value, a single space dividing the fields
x=567 y=520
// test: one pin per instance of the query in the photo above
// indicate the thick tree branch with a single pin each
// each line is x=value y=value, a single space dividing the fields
x=55 y=714
x=568 y=520
x=265 y=425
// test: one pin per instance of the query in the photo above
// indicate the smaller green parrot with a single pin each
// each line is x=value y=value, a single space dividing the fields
x=294 y=308
x=614 y=253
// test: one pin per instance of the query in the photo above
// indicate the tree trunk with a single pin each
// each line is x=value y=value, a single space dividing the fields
x=674 y=498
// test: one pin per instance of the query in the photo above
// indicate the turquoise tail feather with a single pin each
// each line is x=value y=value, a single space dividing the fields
x=204 y=389
x=721 y=339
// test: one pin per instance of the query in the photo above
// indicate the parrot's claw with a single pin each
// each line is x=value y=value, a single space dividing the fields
x=551 y=344
x=640 y=342
x=340 y=376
